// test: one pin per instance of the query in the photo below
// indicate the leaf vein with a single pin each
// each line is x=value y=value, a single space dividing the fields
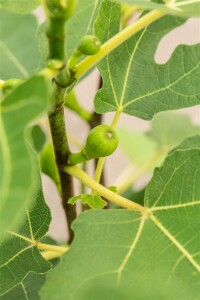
x=16 y=255
x=14 y=59
x=132 y=247
x=162 y=89
x=176 y=243
x=182 y=205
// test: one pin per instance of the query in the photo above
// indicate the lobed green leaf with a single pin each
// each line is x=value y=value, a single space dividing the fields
x=133 y=82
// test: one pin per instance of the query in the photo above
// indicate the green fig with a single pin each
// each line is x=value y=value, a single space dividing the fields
x=89 y=45
x=102 y=141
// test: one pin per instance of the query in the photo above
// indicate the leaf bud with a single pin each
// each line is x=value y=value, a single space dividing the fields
x=89 y=45
x=60 y=9
x=102 y=141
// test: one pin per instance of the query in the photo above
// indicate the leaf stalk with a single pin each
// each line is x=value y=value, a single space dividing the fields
x=117 y=40
x=101 y=190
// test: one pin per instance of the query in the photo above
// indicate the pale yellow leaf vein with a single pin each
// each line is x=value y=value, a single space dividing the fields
x=161 y=89
x=13 y=59
x=29 y=222
x=131 y=249
x=182 y=205
x=182 y=3
x=22 y=237
x=175 y=267
x=15 y=256
x=129 y=66
x=110 y=77
x=180 y=247
x=165 y=187
x=6 y=158
x=168 y=182
x=91 y=18
x=24 y=290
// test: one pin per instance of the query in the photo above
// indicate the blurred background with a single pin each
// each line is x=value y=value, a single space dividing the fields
x=120 y=162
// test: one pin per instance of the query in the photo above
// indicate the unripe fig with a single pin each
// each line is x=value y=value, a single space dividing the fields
x=102 y=141
x=89 y=45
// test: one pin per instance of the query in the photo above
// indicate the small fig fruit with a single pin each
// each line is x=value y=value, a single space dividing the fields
x=89 y=45
x=102 y=141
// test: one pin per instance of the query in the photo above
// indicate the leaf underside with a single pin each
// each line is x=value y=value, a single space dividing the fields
x=18 y=176
x=22 y=201
x=133 y=82
x=18 y=46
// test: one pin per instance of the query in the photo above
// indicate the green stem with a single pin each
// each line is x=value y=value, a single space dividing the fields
x=101 y=190
x=99 y=169
x=56 y=39
x=76 y=158
x=73 y=60
x=117 y=40
x=49 y=255
x=116 y=119
x=61 y=149
x=83 y=187
x=41 y=246
x=60 y=249
x=96 y=120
